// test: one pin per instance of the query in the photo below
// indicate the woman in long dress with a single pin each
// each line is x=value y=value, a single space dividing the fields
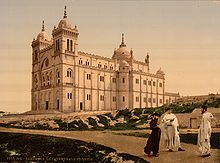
x=204 y=134
x=154 y=139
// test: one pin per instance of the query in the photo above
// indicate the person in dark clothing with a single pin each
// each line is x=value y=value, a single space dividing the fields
x=154 y=139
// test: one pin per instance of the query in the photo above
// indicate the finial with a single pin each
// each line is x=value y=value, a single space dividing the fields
x=65 y=16
x=147 y=59
x=43 y=26
x=122 y=41
x=131 y=51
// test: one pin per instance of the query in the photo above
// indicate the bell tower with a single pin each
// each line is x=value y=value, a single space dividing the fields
x=65 y=36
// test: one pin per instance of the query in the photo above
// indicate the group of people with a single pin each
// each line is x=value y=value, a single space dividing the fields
x=168 y=132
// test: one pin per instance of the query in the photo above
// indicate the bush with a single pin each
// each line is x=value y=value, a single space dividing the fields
x=73 y=125
x=82 y=125
x=149 y=110
x=41 y=127
x=138 y=111
x=93 y=122
x=126 y=113
x=110 y=116
x=122 y=126
x=103 y=120
x=62 y=124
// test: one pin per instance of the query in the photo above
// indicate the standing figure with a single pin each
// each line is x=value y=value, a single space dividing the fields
x=205 y=133
x=170 y=131
x=154 y=139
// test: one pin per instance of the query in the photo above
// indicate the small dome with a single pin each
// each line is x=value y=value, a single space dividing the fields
x=121 y=54
x=160 y=72
x=64 y=23
x=123 y=63
x=42 y=36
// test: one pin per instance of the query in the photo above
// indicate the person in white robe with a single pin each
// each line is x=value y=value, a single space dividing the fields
x=170 y=132
x=204 y=134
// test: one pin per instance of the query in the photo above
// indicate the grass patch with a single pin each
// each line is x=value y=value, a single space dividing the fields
x=186 y=138
x=38 y=148
x=136 y=134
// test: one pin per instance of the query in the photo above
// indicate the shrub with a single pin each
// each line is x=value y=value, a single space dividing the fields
x=126 y=113
x=122 y=126
x=73 y=125
x=110 y=116
x=92 y=122
x=103 y=120
x=41 y=127
x=62 y=124
x=149 y=110
x=138 y=111
x=82 y=125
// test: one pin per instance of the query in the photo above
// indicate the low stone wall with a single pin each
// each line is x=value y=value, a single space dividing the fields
x=188 y=120
x=184 y=120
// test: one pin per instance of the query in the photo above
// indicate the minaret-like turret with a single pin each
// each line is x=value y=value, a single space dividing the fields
x=40 y=43
x=147 y=61
x=65 y=36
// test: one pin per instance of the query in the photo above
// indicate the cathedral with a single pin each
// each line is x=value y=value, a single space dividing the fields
x=65 y=79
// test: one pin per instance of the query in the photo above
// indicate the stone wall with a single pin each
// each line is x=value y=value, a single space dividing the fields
x=193 y=120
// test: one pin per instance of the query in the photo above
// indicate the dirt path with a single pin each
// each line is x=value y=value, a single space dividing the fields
x=128 y=144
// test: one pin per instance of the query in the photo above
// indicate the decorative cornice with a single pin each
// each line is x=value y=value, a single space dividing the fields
x=95 y=56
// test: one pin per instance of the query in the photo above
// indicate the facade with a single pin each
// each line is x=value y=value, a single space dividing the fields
x=67 y=80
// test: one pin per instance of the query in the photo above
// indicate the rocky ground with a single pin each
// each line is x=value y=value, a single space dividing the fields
x=120 y=120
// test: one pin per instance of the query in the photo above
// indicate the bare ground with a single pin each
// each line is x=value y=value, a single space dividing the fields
x=128 y=144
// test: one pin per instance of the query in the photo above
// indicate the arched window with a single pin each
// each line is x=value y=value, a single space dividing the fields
x=68 y=45
x=69 y=73
x=80 y=61
x=58 y=76
x=71 y=45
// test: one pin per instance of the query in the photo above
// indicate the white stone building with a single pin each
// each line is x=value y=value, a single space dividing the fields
x=67 y=80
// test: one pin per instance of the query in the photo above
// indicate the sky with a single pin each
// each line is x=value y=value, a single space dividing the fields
x=182 y=38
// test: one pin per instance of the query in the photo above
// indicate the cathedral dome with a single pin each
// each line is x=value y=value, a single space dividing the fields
x=123 y=63
x=160 y=72
x=64 y=23
x=122 y=53
x=43 y=34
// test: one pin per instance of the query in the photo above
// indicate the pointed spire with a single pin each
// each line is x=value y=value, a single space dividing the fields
x=131 y=51
x=122 y=41
x=65 y=15
x=122 y=38
x=147 y=54
x=43 y=26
